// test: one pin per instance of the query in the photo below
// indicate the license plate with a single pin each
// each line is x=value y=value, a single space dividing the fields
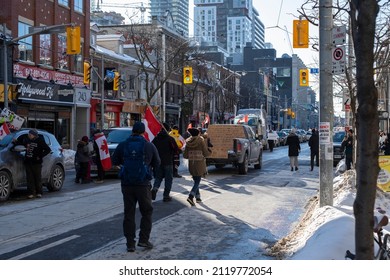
x=337 y=156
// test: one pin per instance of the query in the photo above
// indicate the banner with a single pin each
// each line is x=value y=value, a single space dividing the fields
x=152 y=125
x=14 y=121
x=383 y=181
x=4 y=131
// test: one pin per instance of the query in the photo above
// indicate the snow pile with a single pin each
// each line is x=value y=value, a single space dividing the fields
x=326 y=233
x=69 y=158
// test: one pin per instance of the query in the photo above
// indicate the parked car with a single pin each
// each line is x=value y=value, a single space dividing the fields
x=338 y=152
x=115 y=135
x=12 y=171
x=282 y=138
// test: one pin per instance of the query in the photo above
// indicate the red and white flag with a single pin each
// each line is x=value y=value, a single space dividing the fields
x=206 y=120
x=152 y=125
x=4 y=130
x=105 y=158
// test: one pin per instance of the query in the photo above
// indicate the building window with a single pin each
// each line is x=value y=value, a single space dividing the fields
x=64 y=2
x=78 y=5
x=62 y=57
x=45 y=49
x=131 y=82
x=79 y=63
x=25 y=45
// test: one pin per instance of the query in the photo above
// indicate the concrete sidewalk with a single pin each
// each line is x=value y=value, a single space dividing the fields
x=233 y=221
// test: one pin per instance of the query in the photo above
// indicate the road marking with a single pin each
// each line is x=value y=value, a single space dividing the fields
x=40 y=249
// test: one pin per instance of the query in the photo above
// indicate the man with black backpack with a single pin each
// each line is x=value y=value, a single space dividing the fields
x=138 y=160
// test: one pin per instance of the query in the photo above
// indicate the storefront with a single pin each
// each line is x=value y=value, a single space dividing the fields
x=112 y=113
x=46 y=106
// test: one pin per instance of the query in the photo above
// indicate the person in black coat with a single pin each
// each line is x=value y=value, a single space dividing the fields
x=167 y=149
x=36 y=150
x=314 y=148
x=294 y=148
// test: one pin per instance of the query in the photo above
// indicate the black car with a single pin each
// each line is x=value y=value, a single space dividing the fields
x=338 y=151
x=12 y=171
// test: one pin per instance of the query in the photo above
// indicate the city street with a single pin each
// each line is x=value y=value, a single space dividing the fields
x=239 y=218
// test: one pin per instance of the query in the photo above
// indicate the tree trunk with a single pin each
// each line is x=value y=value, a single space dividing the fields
x=367 y=127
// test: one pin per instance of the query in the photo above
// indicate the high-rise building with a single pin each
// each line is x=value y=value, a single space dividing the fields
x=176 y=10
x=228 y=23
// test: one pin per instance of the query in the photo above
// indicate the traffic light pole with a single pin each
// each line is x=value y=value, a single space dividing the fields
x=326 y=104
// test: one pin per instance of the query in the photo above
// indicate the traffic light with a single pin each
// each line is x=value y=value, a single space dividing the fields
x=293 y=115
x=73 y=40
x=300 y=33
x=116 y=80
x=187 y=75
x=304 y=77
x=288 y=111
x=87 y=73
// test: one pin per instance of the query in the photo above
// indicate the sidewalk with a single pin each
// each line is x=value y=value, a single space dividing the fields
x=233 y=222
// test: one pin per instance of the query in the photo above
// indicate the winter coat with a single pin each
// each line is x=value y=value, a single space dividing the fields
x=294 y=146
x=314 y=143
x=347 y=144
x=196 y=152
x=166 y=147
x=36 y=150
x=82 y=152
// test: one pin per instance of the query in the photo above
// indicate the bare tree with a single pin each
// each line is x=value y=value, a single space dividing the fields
x=363 y=15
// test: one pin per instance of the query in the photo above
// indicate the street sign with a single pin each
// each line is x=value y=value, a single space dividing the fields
x=314 y=71
x=338 y=35
x=338 y=60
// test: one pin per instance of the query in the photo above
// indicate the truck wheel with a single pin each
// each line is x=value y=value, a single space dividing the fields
x=260 y=162
x=243 y=167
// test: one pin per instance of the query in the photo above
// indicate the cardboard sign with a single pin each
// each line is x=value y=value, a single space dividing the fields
x=221 y=136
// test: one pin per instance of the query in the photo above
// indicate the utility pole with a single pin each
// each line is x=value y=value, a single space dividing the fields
x=326 y=104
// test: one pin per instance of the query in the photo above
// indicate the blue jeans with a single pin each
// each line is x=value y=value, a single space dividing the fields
x=164 y=172
x=195 y=189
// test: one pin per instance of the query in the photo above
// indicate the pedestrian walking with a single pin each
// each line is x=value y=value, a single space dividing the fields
x=36 y=150
x=314 y=145
x=347 y=146
x=82 y=159
x=272 y=138
x=167 y=149
x=180 y=141
x=294 y=148
x=196 y=151
x=138 y=160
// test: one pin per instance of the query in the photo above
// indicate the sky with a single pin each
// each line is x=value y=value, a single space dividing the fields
x=277 y=16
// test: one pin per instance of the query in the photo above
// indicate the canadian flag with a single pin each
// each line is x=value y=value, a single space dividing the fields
x=105 y=158
x=4 y=130
x=206 y=120
x=152 y=125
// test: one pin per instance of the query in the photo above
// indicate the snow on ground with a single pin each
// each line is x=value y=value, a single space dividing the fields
x=325 y=233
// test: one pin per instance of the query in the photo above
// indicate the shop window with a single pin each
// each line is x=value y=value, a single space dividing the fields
x=63 y=132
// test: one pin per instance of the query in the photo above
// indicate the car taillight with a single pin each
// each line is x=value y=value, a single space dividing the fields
x=238 y=147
